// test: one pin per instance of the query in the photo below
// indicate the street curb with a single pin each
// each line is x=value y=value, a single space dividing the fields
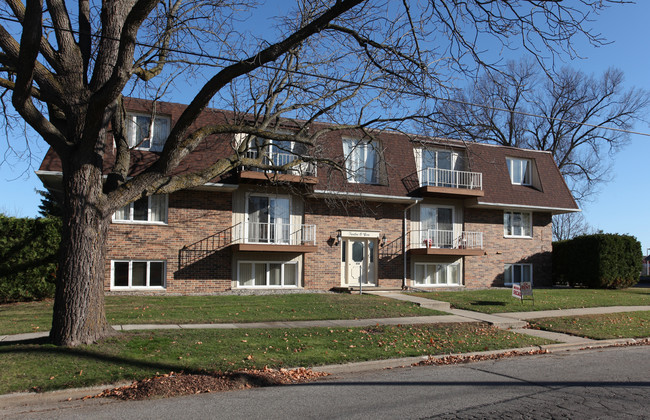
x=593 y=344
x=369 y=365
x=46 y=401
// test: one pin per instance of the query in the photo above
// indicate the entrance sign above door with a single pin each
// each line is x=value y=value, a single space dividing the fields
x=360 y=234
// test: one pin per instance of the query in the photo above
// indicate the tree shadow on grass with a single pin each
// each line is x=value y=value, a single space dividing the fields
x=44 y=346
x=487 y=303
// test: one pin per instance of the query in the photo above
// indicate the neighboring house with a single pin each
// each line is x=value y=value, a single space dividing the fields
x=421 y=213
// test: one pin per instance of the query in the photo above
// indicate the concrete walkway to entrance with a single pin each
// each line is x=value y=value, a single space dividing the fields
x=516 y=321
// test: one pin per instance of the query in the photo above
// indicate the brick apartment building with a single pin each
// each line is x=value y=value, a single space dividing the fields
x=409 y=211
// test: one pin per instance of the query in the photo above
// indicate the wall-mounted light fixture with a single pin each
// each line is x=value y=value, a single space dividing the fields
x=338 y=237
x=383 y=240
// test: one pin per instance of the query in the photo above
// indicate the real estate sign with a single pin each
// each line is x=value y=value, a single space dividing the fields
x=525 y=288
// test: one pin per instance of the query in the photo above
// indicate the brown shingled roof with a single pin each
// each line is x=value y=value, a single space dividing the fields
x=491 y=161
x=398 y=157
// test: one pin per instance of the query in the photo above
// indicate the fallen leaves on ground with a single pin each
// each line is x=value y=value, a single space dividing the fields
x=176 y=384
x=457 y=359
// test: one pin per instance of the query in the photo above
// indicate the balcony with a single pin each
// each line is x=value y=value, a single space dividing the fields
x=274 y=237
x=302 y=173
x=446 y=242
x=445 y=183
x=264 y=237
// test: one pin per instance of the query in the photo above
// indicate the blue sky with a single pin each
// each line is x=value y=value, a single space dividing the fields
x=622 y=206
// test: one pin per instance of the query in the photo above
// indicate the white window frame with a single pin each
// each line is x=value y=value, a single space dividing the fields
x=447 y=274
x=356 y=158
x=510 y=267
x=456 y=158
x=148 y=278
x=131 y=121
x=508 y=218
x=131 y=212
x=282 y=264
x=517 y=170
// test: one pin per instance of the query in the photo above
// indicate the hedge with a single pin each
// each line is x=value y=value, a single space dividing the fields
x=599 y=261
x=28 y=252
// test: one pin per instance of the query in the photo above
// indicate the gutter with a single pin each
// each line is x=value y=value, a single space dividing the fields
x=417 y=200
x=56 y=176
x=554 y=210
x=366 y=196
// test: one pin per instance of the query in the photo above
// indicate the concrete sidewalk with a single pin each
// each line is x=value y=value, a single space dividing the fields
x=515 y=321
x=20 y=404
x=573 y=312
x=435 y=319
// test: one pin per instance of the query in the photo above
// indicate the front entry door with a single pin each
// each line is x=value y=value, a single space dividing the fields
x=359 y=261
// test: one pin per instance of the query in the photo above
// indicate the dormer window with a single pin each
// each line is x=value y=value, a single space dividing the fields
x=146 y=133
x=520 y=171
x=361 y=161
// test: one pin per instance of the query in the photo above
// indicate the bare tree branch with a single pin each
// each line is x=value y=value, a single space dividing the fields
x=575 y=110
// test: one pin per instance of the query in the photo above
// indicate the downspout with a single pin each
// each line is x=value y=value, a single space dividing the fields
x=417 y=200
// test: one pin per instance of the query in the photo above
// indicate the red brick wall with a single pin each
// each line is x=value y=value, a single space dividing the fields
x=192 y=216
x=487 y=270
x=195 y=215
x=323 y=268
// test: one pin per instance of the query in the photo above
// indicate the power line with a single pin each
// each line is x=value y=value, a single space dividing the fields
x=350 y=82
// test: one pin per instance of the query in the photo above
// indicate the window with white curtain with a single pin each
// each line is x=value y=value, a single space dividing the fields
x=517 y=224
x=432 y=274
x=144 y=133
x=439 y=167
x=146 y=209
x=361 y=161
x=268 y=219
x=520 y=171
x=436 y=226
x=267 y=274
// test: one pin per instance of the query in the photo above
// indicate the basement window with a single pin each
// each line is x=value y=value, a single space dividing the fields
x=137 y=274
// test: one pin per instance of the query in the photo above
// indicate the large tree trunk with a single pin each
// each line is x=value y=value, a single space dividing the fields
x=79 y=316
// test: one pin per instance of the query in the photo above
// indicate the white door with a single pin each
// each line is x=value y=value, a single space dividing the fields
x=359 y=261
x=268 y=219
x=436 y=226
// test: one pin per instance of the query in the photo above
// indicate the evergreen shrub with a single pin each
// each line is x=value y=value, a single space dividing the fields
x=28 y=252
x=603 y=260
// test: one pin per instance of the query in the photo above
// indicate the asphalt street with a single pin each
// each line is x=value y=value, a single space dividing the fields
x=611 y=383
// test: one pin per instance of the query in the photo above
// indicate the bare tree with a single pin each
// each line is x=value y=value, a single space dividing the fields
x=570 y=225
x=362 y=64
x=565 y=113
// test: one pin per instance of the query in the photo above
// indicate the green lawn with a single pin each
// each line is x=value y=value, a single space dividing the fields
x=600 y=327
x=140 y=354
x=37 y=316
x=501 y=300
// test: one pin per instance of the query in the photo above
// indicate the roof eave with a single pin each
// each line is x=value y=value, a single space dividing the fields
x=554 y=210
